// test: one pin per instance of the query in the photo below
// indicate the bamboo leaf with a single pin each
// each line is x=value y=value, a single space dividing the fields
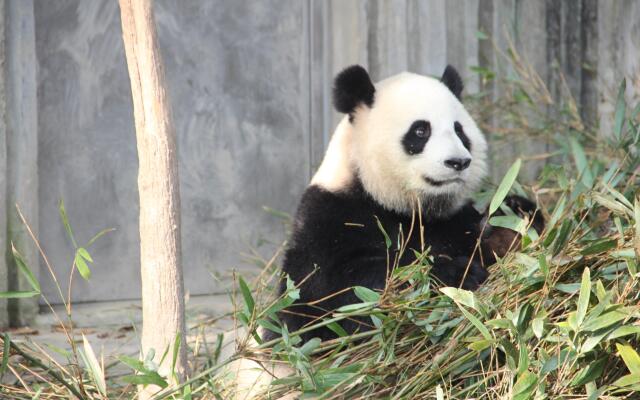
x=24 y=269
x=589 y=374
x=366 y=294
x=15 y=294
x=387 y=240
x=476 y=322
x=6 y=348
x=524 y=386
x=246 y=294
x=512 y=222
x=627 y=380
x=630 y=357
x=537 y=326
x=583 y=297
x=461 y=296
x=599 y=246
x=621 y=108
x=82 y=266
x=94 y=366
x=85 y=254
x=505 y=186
x=65 y=222
x=99 y=235
x=582 y=165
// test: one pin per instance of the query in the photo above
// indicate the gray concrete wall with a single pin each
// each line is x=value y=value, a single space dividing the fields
x=250 y=84
x=238 y=81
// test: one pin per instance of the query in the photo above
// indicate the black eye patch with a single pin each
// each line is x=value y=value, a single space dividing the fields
x=462 y=136
x=416 y=137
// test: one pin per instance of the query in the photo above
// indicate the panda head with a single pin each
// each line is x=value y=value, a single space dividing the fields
x=410 y=138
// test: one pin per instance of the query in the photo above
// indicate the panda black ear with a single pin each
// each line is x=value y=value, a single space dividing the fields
x=451 y=79
x=352 y=87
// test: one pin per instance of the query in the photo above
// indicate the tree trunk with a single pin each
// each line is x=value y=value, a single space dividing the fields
x=160 y=252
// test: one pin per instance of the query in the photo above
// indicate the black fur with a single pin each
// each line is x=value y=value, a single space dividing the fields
x=337 y=233
x=457 y=127
x=351 y=88
x=451 y=79
x=416 y=137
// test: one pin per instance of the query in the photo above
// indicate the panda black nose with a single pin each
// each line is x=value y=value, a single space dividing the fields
x=458 y=164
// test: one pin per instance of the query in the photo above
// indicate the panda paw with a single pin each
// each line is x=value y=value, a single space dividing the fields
x=451 y=272
x=525 y=207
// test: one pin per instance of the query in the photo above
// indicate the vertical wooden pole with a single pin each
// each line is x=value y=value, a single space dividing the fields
x=4 y=275
x=158 y=186
x=21 y=123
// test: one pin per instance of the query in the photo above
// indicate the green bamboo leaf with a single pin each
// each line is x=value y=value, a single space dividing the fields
x=627 y=380
x=6 y=348
x=583 y=297
x=133 y=363
x=512 y=222
x=310 y=346
x=624 y=331
x=537 y=326
x=356 y=307
x=366 y=294
x=544 y=266
x=65 y=222
x=95 y=369
x=176 y=347
x=24 y=269
x=85 y=254
x=387 y=240
x=589 y=374
x=476 y=322
x=480 y=345
x=337 y=329
x=599 y=246
x=582 y=165
x=150 y=378
x=621 y=108
x=505 y=186
x=246 y=294
x=461 y=296
x=82 y=266
x=556 y=360
x=636 y=217
x=15 y=294
x=524 y=386
x=269 y=325
x=99 y=235
x=630 y=357
x=605 y=320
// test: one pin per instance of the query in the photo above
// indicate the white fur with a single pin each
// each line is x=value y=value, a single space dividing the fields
x=336 y=170
x=374 y=148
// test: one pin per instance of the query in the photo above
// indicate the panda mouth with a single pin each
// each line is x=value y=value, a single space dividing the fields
x=437 y=183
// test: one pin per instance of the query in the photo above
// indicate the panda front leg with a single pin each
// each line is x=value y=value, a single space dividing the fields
x=496 y=241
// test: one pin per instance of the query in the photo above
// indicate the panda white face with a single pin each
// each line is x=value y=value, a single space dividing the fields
x=417 y=141
x=408 y=138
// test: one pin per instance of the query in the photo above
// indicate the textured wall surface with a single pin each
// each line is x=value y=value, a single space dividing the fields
x=238 y=84
x=250 y=83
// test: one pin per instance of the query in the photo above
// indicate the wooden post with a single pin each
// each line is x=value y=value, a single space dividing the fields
x=158 y=186
x=20 y=120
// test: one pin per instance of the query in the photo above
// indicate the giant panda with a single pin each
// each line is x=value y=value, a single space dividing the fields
x=406 y=145
x=406 y=150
